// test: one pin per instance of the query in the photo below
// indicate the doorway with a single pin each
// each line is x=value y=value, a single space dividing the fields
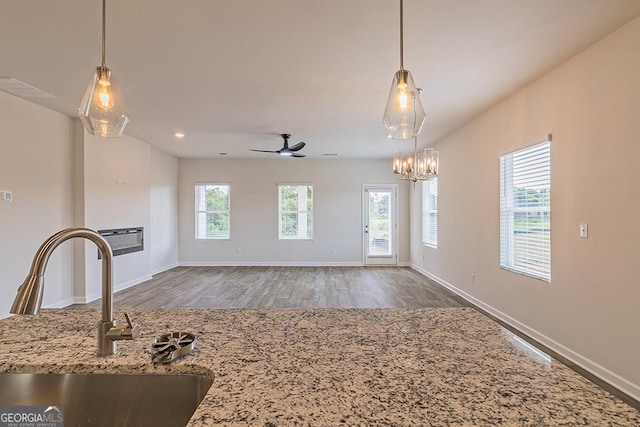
x=379 y=213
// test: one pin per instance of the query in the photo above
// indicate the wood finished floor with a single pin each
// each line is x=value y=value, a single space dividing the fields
x=286 y=287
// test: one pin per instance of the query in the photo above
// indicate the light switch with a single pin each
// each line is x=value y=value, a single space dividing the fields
x=6 y=196
x=584 y=230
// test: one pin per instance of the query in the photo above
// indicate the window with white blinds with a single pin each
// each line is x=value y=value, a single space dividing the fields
x=525 y=211
x=430 y=212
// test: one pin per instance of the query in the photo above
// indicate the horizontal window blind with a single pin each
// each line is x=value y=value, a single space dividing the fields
x=430 y=212
x=525 y=211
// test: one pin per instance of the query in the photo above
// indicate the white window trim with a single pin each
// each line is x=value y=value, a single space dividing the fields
x=198 y=211
x=507 y=210
x=309 y=213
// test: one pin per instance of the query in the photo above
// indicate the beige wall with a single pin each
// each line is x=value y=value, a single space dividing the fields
x=35 y=164
x=590 y=310
x=117 y=174
x=62 y=177
x=337 y=215
x=162 y=239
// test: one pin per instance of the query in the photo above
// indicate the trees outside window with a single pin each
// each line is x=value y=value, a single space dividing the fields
x=213 y=211
x=295 y=211
x=525 y=211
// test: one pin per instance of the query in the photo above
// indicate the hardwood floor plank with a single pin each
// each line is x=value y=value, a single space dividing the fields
x=286 y=287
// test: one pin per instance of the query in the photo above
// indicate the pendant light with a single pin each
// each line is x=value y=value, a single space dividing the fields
x=102 y=110
x=404 y=115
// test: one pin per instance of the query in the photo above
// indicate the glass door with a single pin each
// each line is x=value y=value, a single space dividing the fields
x=379 y=225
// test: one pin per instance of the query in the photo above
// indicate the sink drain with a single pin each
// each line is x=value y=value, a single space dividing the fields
x=169 y=347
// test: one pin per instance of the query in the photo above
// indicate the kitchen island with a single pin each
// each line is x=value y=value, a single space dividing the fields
x=320 y=367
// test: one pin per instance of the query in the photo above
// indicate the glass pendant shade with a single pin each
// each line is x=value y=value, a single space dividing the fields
x=403 y=115
x=102 y=109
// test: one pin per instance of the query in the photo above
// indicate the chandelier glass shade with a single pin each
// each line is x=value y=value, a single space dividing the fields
x=417 y=166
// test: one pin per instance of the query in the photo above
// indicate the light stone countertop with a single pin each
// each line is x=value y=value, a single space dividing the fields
x=320 y=367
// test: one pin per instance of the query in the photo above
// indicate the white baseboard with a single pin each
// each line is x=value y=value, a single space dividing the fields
x=165 y=268
x=61 y=304
x=116 y=288
x=585 y=363
x=268 y=264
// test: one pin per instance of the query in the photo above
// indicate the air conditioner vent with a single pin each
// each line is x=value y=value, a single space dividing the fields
x=21 y=89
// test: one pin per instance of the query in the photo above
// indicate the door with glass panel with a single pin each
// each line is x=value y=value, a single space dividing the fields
x=379 y=224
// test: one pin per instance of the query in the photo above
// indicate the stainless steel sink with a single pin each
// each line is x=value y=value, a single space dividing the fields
x=109 y=399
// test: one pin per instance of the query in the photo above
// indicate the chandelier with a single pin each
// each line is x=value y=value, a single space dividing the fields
x=420 y=166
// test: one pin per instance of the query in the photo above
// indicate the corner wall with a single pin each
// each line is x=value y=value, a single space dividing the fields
x=61 y=177
x=163 y=236
x=589 y=312
x=36 y=160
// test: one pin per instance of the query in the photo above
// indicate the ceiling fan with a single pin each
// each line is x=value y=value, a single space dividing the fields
x=286 y=150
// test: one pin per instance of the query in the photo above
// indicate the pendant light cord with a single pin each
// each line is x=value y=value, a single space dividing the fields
x=401 y=37
x=104 y=31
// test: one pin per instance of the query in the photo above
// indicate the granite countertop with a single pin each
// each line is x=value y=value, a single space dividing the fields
x=401 y=367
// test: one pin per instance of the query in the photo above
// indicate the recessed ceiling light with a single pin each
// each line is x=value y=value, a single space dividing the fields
x=179 y=135
x=222 y=154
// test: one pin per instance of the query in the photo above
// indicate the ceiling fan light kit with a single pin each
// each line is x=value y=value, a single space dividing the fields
x=102 y=109
x=286 y=151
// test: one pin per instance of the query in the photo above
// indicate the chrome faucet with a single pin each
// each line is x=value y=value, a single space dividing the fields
x=29 y=298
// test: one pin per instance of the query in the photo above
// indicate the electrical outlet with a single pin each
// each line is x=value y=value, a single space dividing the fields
x=333 y=251
x=473 y=278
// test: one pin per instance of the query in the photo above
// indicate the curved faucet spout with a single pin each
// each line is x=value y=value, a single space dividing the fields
x=29 y=298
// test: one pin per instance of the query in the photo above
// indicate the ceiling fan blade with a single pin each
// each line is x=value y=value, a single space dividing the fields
x=298 y=155
x=262 y=151
x=297 y=147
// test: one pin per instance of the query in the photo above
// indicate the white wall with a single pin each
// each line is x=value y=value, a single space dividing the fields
x=590 y=310
x=162 y=240
x=62 y=177
x=35 y=164
x=117 y=187
x=337 y=216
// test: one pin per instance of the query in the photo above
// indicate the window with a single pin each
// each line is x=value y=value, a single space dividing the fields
x=430 y=212
x=295 y=204
x=213 y=211
x=525 y=211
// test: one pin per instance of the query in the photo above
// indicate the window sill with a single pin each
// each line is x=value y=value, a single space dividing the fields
x=526 y=273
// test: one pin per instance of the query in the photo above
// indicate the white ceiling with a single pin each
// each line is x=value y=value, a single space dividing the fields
x=233 y=75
